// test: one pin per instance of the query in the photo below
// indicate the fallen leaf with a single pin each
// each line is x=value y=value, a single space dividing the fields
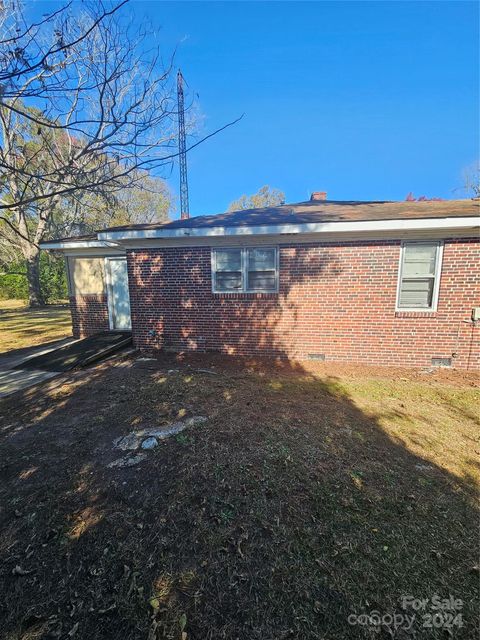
x=110 y=608
x=18 y=571
x=183 y=623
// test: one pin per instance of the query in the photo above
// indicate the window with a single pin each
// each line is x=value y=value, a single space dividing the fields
x=228 y=270
x=419 y=276
x=245 y=270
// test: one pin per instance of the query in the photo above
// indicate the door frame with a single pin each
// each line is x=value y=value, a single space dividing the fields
x=109 y=287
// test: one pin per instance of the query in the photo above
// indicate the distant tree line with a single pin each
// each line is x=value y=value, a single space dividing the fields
x=266 y=196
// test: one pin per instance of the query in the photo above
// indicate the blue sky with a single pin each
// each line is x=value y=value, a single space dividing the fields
x=366 y=100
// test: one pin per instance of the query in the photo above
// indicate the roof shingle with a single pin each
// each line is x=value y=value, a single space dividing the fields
x=309 y=212
x=322 y=211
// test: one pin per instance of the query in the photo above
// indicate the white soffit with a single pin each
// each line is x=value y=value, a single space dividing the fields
x=82 y=244
x=86 y=247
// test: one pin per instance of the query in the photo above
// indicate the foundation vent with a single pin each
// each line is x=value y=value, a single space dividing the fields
x=441 y=362
x=316 y=356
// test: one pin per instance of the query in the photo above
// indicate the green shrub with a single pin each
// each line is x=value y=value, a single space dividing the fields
x=53 y=280
x=53 y=277
x=13 y=285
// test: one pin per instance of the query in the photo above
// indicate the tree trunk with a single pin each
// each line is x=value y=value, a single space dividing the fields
x=35 y=297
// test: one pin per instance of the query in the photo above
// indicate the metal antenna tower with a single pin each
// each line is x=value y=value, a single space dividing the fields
x=182 y=150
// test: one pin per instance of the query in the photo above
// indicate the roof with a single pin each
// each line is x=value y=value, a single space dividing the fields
x=322 y=211
x=86 y=237
x=317 y=217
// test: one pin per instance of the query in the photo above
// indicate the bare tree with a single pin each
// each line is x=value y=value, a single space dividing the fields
x=104 y=109
x=113 y=102
x=24 y=54
x=149 y=201
x=104 y=114
x=471 y=179
x=91 y=76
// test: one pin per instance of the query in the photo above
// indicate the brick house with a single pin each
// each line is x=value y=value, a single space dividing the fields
x=386 y=283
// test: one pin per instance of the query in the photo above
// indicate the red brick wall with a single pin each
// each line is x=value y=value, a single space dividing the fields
x=334 y=299
x=89 y=314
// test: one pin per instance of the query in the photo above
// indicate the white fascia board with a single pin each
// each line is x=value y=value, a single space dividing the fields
x=302 y=238
x=95 y=253
x=71 y=244
x=369 y=226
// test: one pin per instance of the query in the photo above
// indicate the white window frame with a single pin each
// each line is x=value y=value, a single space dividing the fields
x=436 y=277
x=244 y=269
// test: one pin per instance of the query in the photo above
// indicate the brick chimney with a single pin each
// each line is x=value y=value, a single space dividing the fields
x=318 y=195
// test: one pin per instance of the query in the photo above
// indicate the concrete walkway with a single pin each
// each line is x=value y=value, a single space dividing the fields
x=15 y=379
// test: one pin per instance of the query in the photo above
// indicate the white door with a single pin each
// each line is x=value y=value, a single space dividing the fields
x=118 y=296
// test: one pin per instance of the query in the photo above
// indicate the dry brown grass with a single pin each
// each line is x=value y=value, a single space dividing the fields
x=305 y=498
x=23 y=327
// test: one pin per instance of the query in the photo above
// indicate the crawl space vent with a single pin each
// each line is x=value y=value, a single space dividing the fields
x=316 y=356
x=441 y=362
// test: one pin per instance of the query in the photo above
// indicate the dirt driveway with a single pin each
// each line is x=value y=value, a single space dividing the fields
x=303 y=500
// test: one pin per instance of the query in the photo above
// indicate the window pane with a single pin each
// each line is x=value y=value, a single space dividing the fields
x=419 y=259
x=416 y=293
x=261 y=280
x=228 y=259
x=261 y=259
x=228 y=280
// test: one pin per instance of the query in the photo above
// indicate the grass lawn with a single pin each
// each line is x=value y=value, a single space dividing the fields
x=306 y=497
x=23 y=327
